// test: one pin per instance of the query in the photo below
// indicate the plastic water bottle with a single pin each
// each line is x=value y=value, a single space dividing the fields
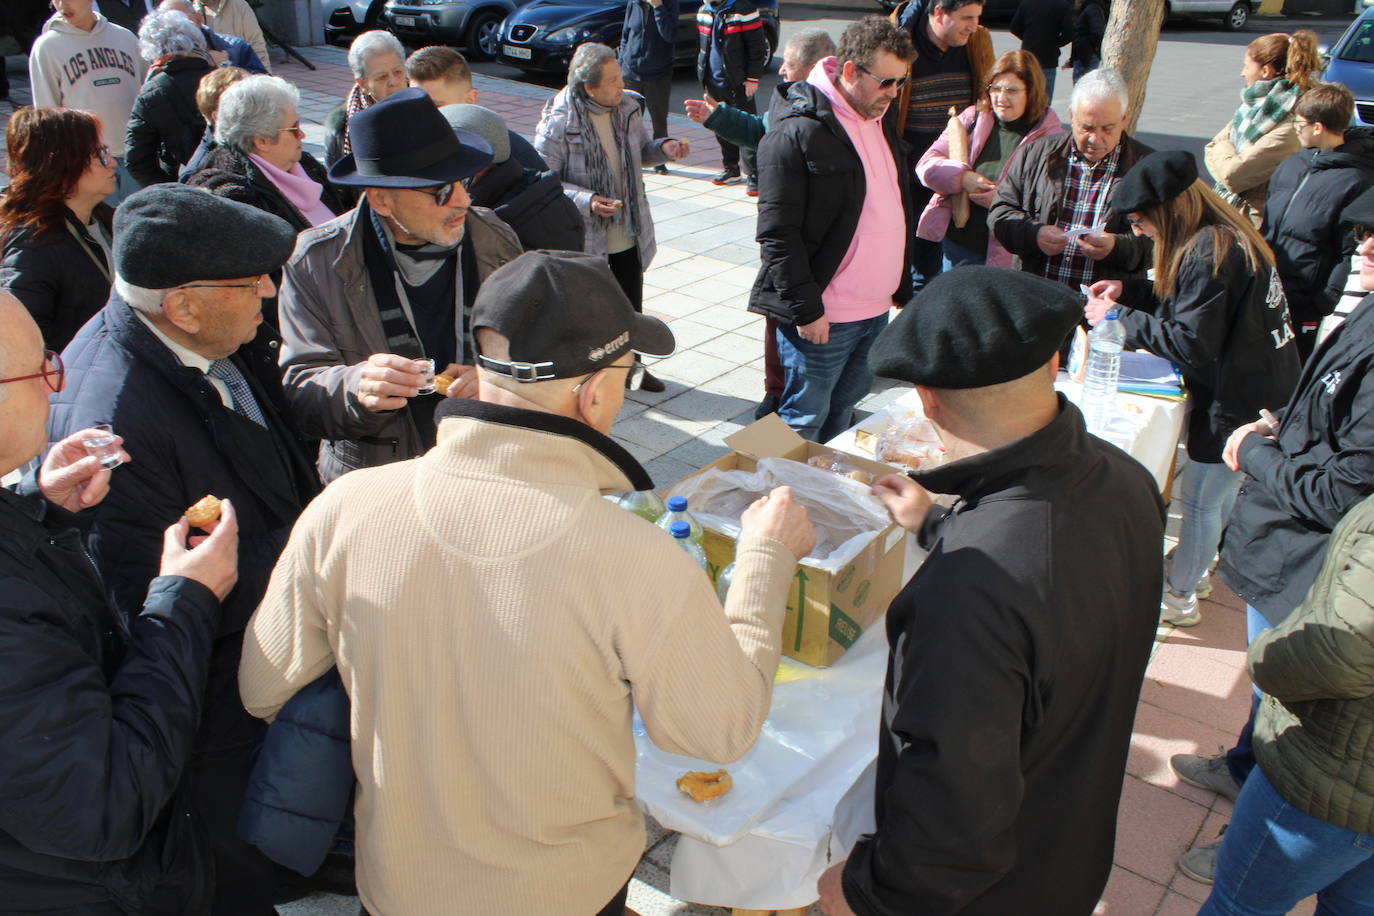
x=677 y=512
x=1104 y=369
x=727 y=575
x=682 y=535
x=644 y=503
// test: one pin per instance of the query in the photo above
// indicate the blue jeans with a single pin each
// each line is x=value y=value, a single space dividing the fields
x=1275 y=855
x=1240 y=760
x=1050 y=74
x=1206 y=494
x=823 y=382
x=125 y=184
x=958 y=256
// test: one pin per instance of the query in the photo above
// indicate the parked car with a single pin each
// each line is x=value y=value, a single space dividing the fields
x=1351 y=61
x=1234 y=14
x=474 y=24
x=540 y=37
x=343 y=18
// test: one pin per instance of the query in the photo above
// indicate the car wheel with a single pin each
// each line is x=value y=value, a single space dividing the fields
x=1238 y=17
x=770 y=40
x=371 y=20
x=483 y=35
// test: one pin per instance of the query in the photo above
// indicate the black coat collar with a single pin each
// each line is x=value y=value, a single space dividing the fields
x=1009 y=467
x=540 y=421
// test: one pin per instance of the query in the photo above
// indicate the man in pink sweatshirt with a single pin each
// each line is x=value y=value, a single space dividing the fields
x=835 y=223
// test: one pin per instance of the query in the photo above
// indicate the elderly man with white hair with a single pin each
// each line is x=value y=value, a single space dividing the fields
x=180 y=363
x=1052 y=211
x=378 y=62
x=165 y=126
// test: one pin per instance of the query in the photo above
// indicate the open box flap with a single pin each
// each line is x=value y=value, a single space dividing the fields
x=766 y=438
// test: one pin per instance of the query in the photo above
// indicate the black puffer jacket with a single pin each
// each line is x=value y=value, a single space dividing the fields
x=647 y=39
x=1299 y=486
x=229 y=173
x=97 y=721
x=811 y=193
x=533 y=204
x=1044 y=26
x=1229 y=332
x=1307 y=193
x=165 y=126
x=1089 y=25
x=62 y=280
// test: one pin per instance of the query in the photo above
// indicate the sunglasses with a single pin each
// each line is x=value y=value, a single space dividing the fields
x=1360 y=233
x=443 y=193
x=632 y=381
x=294 y=129
x=885 y=83
x=102 y=155
x=58 y=372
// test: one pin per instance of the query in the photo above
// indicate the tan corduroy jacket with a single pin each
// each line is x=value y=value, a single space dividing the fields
x=492 y=618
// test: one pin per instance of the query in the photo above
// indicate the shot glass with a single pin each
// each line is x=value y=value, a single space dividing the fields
x=101 y=443
x=426 y=369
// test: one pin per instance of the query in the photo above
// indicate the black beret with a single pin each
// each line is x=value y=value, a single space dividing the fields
x=1156 y=179
x=976 y=326
x=1360 y=211
x=170 y=234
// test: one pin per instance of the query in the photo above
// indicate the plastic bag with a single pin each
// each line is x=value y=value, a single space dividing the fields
x=911 y=441
x=844 y=513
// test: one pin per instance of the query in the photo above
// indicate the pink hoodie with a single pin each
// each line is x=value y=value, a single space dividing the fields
x=943 y=175
x=872 y=267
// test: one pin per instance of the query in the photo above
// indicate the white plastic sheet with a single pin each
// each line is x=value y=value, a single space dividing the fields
x=775 y=825
x=845 y=514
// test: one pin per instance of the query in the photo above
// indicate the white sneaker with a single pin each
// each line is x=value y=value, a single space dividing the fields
x=1179 y=612
x=1204 y=588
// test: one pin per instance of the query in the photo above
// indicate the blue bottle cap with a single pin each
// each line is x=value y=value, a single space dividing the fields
x=677 y=504
x=680 y=530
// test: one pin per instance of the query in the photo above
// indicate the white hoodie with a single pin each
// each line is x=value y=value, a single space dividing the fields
x=99 y=71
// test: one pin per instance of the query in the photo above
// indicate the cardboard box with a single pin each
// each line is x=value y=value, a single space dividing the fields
x=826 y=612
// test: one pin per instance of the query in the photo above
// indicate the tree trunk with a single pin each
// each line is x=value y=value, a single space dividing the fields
x=1129 y=47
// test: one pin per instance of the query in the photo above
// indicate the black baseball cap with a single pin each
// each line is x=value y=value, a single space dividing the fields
x=564 y=315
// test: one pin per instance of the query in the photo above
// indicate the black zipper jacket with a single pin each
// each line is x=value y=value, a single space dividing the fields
x=1298 y=487
x=1017 y=655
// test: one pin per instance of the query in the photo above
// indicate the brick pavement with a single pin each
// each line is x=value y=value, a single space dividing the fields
x=1196 y=692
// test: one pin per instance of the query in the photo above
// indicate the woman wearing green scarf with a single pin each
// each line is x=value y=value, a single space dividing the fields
x=1278 y=68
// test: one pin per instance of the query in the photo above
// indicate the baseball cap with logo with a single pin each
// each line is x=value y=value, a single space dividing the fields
x=564 y=315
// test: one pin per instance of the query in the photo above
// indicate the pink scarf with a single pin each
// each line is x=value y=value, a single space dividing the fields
x=298 y=188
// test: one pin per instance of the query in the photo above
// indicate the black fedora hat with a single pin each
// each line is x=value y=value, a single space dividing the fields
x=404 y=142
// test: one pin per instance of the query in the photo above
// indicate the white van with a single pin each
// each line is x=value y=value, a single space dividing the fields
x=1234 y=14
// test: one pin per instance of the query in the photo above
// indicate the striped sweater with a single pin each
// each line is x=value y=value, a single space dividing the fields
x=733 y=47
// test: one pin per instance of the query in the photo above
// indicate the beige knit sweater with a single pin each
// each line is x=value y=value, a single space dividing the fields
x=236 y=17
x=492 y=618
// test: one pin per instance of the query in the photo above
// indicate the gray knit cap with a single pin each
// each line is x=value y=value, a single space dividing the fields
x=483 y=122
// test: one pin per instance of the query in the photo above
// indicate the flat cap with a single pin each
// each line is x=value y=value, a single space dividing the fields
x=972 y=327
x=564 y=315
x=169 y=234
x=483 y=122
x=1156 y=179
x=1360 y=211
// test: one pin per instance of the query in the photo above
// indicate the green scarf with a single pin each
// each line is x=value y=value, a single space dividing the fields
x=1263 y=107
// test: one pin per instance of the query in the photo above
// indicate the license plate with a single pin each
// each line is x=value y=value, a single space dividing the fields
x=403 y=20
x=512 y=51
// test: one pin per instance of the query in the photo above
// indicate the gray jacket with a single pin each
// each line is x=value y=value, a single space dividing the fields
x=330 y=325
x=559 y=138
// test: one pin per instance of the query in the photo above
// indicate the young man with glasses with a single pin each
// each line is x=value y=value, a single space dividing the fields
x=97 y=713
x=180 y=363
x=1307 y=193
x=372 y=295
x=835 y=225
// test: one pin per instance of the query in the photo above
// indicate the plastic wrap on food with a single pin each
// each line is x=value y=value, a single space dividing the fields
x=911 y=441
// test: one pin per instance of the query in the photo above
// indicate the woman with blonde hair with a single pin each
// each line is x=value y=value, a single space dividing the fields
x=1012 y=108
x=1278 y=68
x=1215 y=308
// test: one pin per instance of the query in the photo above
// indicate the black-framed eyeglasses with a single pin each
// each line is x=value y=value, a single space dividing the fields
x=1360 y=233
x=255 y=286
x=102 y=155
x=53 y=359
x=1133 y=221
x=632 y=381
x=885 y=83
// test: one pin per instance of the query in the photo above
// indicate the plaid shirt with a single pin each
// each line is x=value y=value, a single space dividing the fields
x=1087 y=188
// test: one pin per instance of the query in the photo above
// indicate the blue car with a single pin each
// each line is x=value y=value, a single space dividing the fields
x=541 y=36
x=1351 y=62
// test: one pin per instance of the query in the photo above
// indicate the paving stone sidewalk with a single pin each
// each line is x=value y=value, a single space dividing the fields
x=1196 y=692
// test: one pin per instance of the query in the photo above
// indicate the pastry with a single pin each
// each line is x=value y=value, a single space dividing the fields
x=705 y=786
x=441 y=383
x=205 y=511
